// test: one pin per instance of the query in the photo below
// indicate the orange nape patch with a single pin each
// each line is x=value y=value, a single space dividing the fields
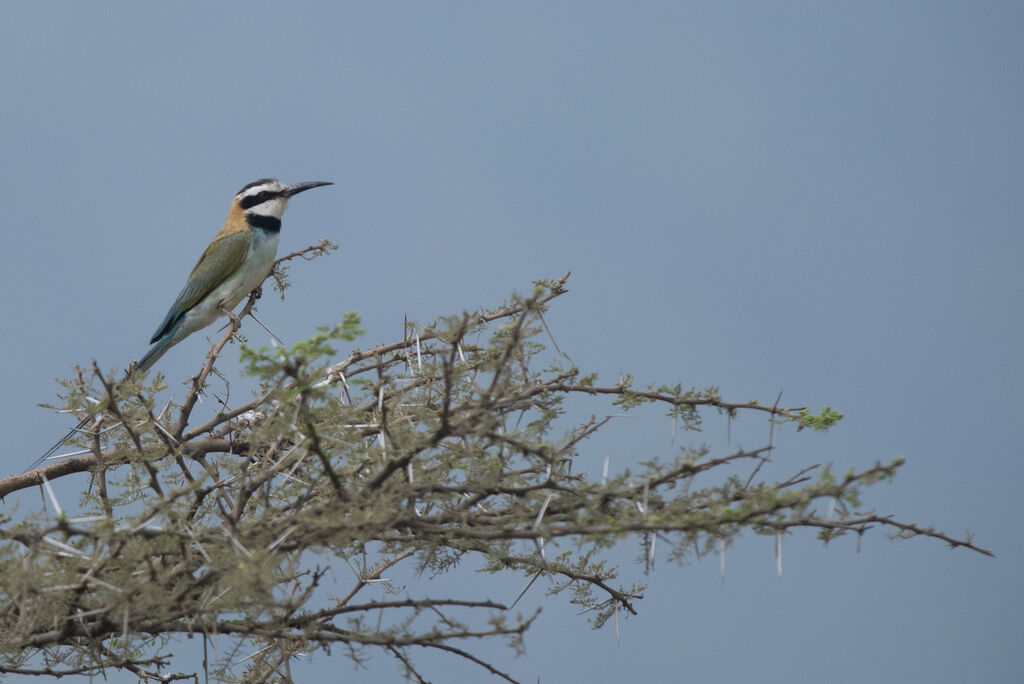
x=235 y=222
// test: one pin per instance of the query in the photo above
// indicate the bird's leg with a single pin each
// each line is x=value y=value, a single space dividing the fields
x=234 y=319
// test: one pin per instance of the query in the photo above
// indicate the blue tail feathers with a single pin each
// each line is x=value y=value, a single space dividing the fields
x=154 y=353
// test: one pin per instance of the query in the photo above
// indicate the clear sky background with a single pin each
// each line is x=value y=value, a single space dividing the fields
x=816 y=197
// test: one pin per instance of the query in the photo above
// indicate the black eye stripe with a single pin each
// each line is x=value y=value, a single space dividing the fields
x=250 y=201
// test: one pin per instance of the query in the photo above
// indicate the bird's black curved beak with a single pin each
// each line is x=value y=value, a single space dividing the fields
x=293 y=190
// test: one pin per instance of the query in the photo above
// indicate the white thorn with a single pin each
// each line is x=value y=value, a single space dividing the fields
x=237 y=544
x=273 y=338
x=164 y=430
x=280 y=539
x=148 y=524
x=87 y=519
x=253 y=655
x=195 y=540
x=89 y=613
x=164 y=411
x=67 y=548
x=53 y=497
x=296 y=480
x=525 y=589
x=69 y=454
x=298 y=462
x=778 y=553
x=543 y=508
x=217 y=597
x=108 y=585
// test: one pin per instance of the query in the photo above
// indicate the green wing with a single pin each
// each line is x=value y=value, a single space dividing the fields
x=221 y=259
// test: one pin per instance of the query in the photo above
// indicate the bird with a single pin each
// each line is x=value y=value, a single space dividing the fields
x=240 y=257
x=238 y=260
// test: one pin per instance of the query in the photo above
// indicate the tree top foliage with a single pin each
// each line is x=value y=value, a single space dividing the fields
x=460 y=442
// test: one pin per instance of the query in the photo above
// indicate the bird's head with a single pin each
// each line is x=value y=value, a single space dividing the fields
x=268 y=197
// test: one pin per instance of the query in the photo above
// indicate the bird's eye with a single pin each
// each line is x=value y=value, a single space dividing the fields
x=264 y=195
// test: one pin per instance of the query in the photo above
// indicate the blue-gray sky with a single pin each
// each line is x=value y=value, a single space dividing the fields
x=820 y=198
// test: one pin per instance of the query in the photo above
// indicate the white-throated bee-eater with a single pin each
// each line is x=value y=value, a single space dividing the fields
x=240 y=257
x=236 y=262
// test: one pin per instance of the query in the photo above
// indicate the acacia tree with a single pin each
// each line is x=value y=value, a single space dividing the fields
x=456 y=443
